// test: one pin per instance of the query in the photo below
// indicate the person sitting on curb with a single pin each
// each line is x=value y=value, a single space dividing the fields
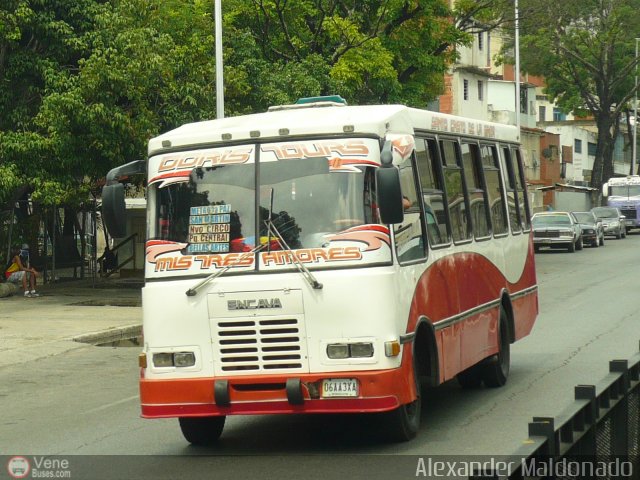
x=17 y=272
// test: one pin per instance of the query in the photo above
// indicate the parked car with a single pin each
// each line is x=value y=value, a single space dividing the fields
x=556 y=229
x=612 y=221
x=592 y=228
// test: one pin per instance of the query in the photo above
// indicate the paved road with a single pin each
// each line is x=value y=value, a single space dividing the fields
x=84 y=401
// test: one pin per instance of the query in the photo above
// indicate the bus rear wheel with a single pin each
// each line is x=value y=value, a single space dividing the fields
x=202 y=430
x=496 y=370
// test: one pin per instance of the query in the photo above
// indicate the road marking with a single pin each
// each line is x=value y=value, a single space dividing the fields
x=112 y=404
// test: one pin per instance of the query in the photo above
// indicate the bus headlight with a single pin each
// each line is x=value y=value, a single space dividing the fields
x=337 y=351
x=163 y=360
x=184 y=359
x=178 y=359
x=361 y=349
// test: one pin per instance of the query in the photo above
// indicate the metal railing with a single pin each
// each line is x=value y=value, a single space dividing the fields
x=598 y=434
x=130 y=259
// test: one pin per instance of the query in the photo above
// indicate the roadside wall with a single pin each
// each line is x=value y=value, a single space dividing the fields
x=572 y=201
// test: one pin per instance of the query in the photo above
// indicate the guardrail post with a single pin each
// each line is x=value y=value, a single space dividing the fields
x=586 y=421
x=544 y=427
x=620 y=413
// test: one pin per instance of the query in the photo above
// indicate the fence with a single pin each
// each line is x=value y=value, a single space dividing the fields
x=598 y=436
x=63 y=243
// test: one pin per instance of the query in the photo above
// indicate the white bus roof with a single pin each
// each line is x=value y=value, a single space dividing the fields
x=288 y=123
x=628 y=180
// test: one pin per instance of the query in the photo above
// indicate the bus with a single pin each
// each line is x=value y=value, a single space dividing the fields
x=624 y=193
x=327 y=258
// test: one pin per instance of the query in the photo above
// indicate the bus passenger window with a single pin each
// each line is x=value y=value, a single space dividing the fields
x=518 y=173
x=458 y=213
x=512 y=198
x=409 y=240
x=430 y=172
x=493 y=179
x=481 y=221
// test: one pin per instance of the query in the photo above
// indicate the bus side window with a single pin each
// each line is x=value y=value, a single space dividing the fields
x=481 y=220
x=510 y=183
x=523 y=201
x=430 y=174
x=493 y=179
x=410 y=244
x=458 y=212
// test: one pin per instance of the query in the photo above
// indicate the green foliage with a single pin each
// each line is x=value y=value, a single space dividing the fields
x=85 y=83
x=367 y=51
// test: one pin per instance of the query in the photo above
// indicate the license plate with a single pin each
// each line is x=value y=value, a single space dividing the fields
x=339 y=387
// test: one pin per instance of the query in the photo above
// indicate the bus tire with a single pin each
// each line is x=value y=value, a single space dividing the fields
x=496 y=369
x=202 y=430
x=403 y=423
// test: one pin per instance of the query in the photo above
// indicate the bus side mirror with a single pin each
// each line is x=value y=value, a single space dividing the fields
x=389 y=195
x=114 y=210
x=605 y=190
x=113 y=206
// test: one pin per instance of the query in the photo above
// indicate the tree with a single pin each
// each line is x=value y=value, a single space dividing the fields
x=585 y=51
x=367 y=51
x=85 y=83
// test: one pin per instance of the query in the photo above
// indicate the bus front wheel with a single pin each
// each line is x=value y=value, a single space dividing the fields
x=202 y=430
x=496 y=370
x=403 y=423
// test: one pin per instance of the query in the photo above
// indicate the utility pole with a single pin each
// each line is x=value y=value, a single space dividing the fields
x=634 y=148
x=219 y=74
x=517 y=66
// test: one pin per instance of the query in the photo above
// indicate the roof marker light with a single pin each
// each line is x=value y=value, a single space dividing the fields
x=327 y=98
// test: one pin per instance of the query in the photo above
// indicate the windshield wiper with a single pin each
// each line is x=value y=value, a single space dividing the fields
x=271 y=228
x=194 y=290
x=308 y=276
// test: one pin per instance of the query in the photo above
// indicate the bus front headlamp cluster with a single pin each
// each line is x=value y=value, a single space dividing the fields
x=177 y=359
x=336 y=351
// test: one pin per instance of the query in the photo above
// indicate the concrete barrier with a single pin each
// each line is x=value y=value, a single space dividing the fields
x=7 y=289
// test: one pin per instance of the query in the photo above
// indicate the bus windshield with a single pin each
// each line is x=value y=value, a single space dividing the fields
x=625 y=191
x=226 y=208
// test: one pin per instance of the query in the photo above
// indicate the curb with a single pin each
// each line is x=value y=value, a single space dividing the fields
x=111 y=335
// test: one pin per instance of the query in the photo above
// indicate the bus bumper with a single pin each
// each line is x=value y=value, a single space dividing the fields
x=378 y=391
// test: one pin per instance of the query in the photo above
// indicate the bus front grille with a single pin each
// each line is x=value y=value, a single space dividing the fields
x=259 y=345
x=630 y=213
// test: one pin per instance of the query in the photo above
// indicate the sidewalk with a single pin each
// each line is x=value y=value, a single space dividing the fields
x=33 y=328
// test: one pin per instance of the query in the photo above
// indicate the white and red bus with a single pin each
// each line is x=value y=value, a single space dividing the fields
x=324 y=258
